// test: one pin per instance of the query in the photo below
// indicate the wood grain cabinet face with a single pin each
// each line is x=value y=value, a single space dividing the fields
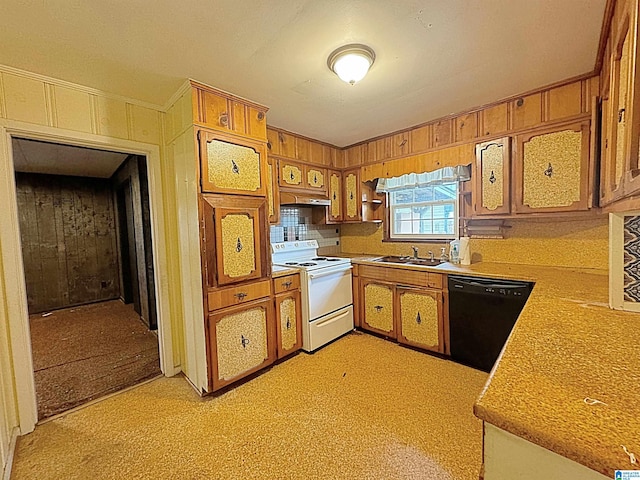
x=241 y=341
x=273 y=192
x=352 y=196
x=378 y=307
x=552 y=169
x=235 y=249
x=228 y=114
x=316 y=179
x=334 y=213
x=232 y=166
x=420 y=318
x=288 y=323
x=291 y=174
x=492 y=183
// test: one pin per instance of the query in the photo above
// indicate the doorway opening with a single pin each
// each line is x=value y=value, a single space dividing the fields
x=85 y=231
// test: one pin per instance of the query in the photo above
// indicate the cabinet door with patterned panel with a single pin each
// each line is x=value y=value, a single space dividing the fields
x=232 y=165
x=377 y=312
x=420 y=318
x=288 y=323
x=291 y=174
x=273 y=192
x=352 y=196
x=234 y=242
x=552 y=169
x=316 y=180
x=241 y=341
x=334 y=213
x=492 y=185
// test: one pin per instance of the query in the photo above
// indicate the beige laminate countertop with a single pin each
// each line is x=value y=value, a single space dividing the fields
x=567 y=346
x=278 y=271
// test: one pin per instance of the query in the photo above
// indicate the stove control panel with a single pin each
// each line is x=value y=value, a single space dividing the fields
x=294 y=246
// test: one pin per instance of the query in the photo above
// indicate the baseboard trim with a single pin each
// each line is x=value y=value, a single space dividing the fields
x=6 y=474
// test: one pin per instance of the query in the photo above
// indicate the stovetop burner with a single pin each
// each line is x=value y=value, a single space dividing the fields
x=307 y=264
x=291 y=263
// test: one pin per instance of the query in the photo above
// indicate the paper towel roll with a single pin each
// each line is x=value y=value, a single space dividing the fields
x=465 y=253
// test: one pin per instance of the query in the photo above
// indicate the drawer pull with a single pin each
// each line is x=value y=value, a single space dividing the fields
x=244 y=341
x=492 y=178
x=334 y=195
x=378 y=308
x=287 y=284
x=239 y=245
x=224 y=119
x=234 y=167
x=549 y=171
x=288 y=323
x=418 y=319
x=240 y=296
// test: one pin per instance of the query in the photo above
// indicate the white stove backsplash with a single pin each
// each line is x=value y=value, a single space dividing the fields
x=295 y=224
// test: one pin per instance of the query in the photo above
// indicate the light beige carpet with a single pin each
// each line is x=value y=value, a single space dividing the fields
x=361 y=408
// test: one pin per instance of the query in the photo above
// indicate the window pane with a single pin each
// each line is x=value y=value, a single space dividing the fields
x=402 y=197
x=426 y=227
x=422 y=212
x=424 y=194
x=403 y=228
x=438 y=211
x=450 y=227
x=439 y=226
x=402 y=214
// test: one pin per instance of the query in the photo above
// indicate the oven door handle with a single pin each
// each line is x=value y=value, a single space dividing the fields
x=330 y=320
x=324 y=273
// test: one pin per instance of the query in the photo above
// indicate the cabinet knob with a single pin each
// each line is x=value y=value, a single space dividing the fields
x=288 y=323
x=549 y=171
x=239 y=245
x=244 y=341
x=269 y=145
x=621 y=115
x=403 y=143
x=260 y=115
x=378 y=308
x=234 y=167
x=287 y=284
x=492 y=178
x=224 y=119
x=418 y=319
x=240 y=296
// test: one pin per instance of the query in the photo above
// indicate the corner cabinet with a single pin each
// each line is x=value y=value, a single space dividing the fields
x=492 y=179
x=235 y=242
x=420 y=318
x=232 y=165
x=242 y=341
x=552 y=169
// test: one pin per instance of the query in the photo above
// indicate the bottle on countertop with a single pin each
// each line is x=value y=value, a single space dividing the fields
x=454 y=252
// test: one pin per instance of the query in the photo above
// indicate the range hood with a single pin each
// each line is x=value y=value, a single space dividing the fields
x=289 y=198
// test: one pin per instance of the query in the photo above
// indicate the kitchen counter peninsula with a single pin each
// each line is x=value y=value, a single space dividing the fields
x=567 y=346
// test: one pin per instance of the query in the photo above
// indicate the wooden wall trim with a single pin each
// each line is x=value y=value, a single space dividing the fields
x=604 y=34
x=297 y=135
x=231 y=96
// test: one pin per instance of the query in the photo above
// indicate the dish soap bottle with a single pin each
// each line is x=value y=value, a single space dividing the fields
x=454 y=252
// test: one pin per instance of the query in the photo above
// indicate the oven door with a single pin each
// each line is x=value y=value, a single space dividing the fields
x=328 y=290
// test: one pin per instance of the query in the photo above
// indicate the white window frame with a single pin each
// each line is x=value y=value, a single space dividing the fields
x=430 y=237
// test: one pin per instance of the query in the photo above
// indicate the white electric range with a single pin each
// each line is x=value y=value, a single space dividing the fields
x=327 y=301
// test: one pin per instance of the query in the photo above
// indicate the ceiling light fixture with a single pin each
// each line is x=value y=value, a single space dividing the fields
x=351 y=62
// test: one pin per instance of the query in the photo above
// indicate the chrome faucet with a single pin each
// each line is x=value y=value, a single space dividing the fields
x=443 y=255
x=432 y=258
x=415 y=252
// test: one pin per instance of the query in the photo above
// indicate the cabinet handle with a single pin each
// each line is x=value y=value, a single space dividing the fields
x=287 y=284
x=403 y=143
x=238 y=245
x=378 y=308
x=549 y=171
x=240 y=295
x=418 y=319
x=234 y=167
x=350 y=195
x=224 y=119
x=315 y=179
x=492 y=178
x=269 y=145
x=288 y=323
x=244 y=341
x=621 y=115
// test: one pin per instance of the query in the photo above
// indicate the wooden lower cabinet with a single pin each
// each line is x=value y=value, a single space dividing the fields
x=378 y=307
x=420 y=317
x=288 y=323
x=241 y=341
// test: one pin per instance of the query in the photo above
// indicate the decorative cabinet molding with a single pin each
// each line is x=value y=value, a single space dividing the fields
x=291 y=174
x=492 y=179
x=241 y=341
x=316 y=179
x=235 y=244
x=378 y=307
x=232 y=165
x=552 y=169
x=420 y=318
x=302 y=177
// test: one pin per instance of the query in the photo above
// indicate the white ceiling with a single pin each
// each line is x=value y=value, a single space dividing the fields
x=433 y=57
x=40 y=157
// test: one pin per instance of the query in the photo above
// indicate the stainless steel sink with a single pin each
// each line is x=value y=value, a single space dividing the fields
x=410 y=261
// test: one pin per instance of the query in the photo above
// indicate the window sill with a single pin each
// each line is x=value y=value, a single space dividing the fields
x=417 y=240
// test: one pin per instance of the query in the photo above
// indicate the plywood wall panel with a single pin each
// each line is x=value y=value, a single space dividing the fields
x=564 y=101
x=111 y=118
x=494 y=120
x=24 y=99
x=526 y=111
x=145 y=124
x=72 y=109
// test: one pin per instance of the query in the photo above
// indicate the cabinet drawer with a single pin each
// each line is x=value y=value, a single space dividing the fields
x=225 y=297
x=435 y=280
x=395 y=275
x=286 y=284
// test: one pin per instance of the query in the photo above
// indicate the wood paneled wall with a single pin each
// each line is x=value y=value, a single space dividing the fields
x=68 y=240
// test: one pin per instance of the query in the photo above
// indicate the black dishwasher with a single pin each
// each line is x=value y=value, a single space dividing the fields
x=482 y=312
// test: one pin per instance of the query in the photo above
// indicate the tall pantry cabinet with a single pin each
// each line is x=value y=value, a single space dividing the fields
x=229 y=144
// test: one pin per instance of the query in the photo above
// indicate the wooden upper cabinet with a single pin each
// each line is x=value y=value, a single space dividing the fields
x=526 y=111
x=273 y=192
x=235 y=242
x=421 y=139
x=420 y=317
x=224 y=112
x=291 y=174
x=316 y=179
x=494 y=120
x=552 y=169
x=442 y=133
x=355 y=156
x=466 y=127
x=401 y=144
x=492 y=177
x=352 y=196
x=303 y=177
x=287 y=145
x=334 y=212
x=232 y=164
x=273 y=142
